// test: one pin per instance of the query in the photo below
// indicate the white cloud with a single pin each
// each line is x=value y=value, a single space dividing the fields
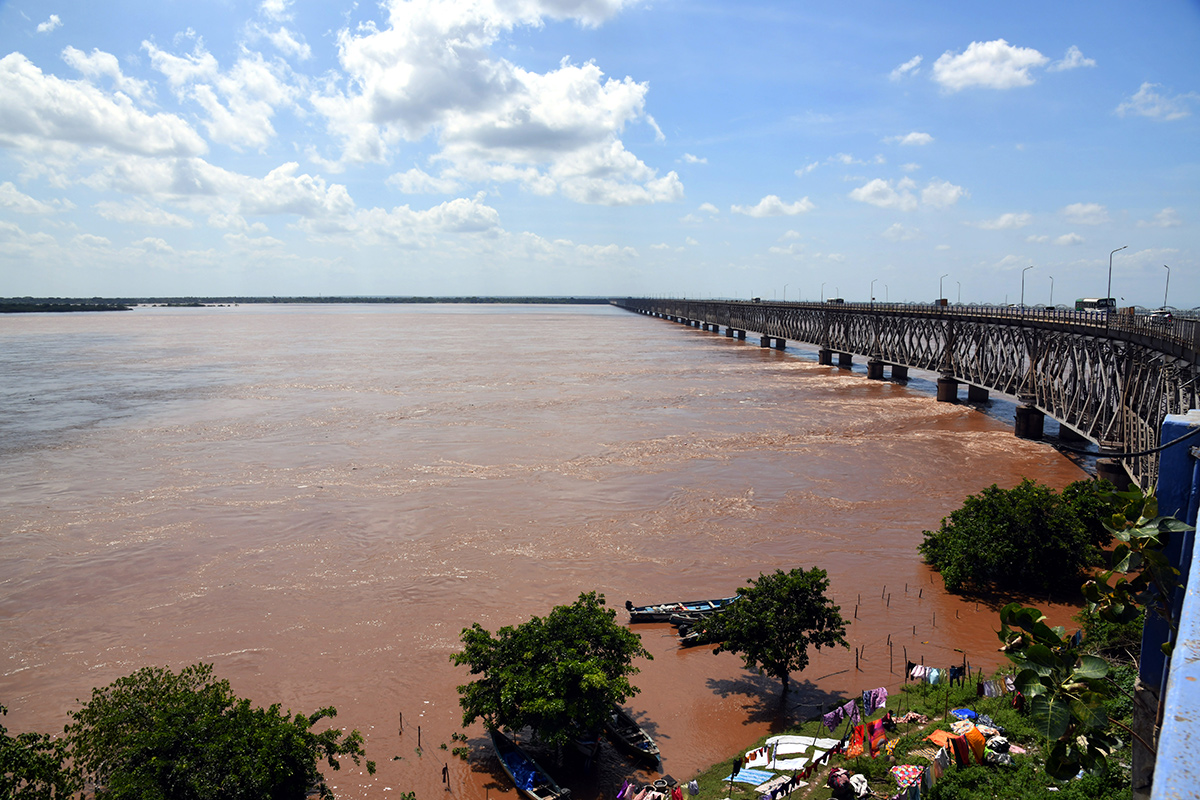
x=1086 y=213
x=910 y=167
x=431 y=72
x=942 y=194
x=1006 y=222
x=416 y=181
x=881 y=193
x=1042 y=239
x=1072 y=60
x=709 y=208
x=1167 y=218
x=13 y=199
x=660 y=246
x=990 y=65
x=278 y=10
x=772 y=206
x=848 y=160
x=240 y=241
x=909 y=67
x=140 y=212
x=42 y=109
x=691 y=159
x=50 y=24
x=153 y=244
x=689 y=240
x=800 y=173
x=908 y=139
x=287 y=42
x=1068 y=239
x=789 y=235
x=100 y=64
x=240 y=103
x=899 y=233
x=91 y=241
x=1149 y=103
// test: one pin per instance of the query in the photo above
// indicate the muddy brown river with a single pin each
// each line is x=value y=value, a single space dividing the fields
x=317 y=499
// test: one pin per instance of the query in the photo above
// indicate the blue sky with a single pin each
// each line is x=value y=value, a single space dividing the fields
x=786 y=150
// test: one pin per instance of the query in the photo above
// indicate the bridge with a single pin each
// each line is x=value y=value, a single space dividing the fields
x=1109 y=378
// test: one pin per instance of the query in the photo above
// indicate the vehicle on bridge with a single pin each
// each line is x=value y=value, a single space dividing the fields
x=1096 y=304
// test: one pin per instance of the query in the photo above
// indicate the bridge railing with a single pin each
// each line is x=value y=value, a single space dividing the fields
x=1180 y=336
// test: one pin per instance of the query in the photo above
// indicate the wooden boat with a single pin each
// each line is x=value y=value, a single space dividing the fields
x=630 y=737
x=527 y=775
x=663 y=611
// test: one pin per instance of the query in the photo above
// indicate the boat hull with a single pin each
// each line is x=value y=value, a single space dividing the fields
x=629 y=737
x=664 y=611
x=526 y=774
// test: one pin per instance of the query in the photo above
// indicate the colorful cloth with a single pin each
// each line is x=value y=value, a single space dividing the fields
x=754 y=777
x=856 y=742
x=940 y=738
x=963 y=713
x=868 y=703
x=832 y=719
x=907 y=774
x=940 y=762
x=850 y=710
x=962 y=751
x=977 y=742
x=876 y=735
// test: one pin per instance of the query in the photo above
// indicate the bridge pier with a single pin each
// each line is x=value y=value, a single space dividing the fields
x=1030 y=422
x=825 y=356
x=773 y=341
x=874 y=369
x=947 y=390
x=899 y=372
x=1109 y=469
x=976 y=394
x=845 y=360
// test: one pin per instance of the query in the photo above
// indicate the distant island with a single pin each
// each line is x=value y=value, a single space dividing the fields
x=16 y=305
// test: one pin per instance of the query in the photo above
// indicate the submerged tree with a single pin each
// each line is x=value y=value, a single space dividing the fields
x=557 y=675
x=777 y=618
x=1028 y=537
x=158 y=735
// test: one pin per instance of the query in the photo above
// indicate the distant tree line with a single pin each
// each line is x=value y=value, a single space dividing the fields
x=18 y=304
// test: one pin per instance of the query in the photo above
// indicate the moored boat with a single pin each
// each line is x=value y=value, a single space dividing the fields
x=663 y=612
x=527 y=775
x=624 y=732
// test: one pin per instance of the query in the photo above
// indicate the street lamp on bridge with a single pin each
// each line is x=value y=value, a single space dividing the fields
x=940 y=295
x=1167 y=287
x=872 y=292
x=1023 y=284
x=1051 y=290
x=959 y=293
x=1110 y=255
x=822 y=291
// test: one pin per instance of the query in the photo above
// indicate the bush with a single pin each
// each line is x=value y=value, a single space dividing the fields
x=1027 y=538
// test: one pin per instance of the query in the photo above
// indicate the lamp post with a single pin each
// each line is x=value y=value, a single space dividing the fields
x=1023 y=284
x=1051 y=291
x=959 y=293
x=872 y=292
x=785 y=293
x=822 y=292
x=940 y=286
x=885 y=294
x=1110 y=255
x=1167 y=287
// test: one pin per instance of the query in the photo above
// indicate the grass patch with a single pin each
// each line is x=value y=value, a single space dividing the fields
x=1026 y=779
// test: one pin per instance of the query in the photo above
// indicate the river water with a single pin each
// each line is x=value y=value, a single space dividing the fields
x=318 y=499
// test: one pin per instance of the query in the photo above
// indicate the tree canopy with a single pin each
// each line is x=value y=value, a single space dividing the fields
x=557 y=675
x=160 y=735
x=776 y=618
x=32 y=766
x=1028 y=537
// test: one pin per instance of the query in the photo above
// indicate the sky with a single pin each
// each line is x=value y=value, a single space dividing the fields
x=981 y=152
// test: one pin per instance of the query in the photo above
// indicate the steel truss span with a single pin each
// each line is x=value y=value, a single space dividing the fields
x=1109 y=377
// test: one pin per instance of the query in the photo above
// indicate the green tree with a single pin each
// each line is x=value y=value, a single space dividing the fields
x=158 y=735
x=32 y=766
x=776 y=618
x=1028 y=537
x=1068 y=693
x=557 y=675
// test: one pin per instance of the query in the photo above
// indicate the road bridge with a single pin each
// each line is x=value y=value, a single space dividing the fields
x=1110 y=378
